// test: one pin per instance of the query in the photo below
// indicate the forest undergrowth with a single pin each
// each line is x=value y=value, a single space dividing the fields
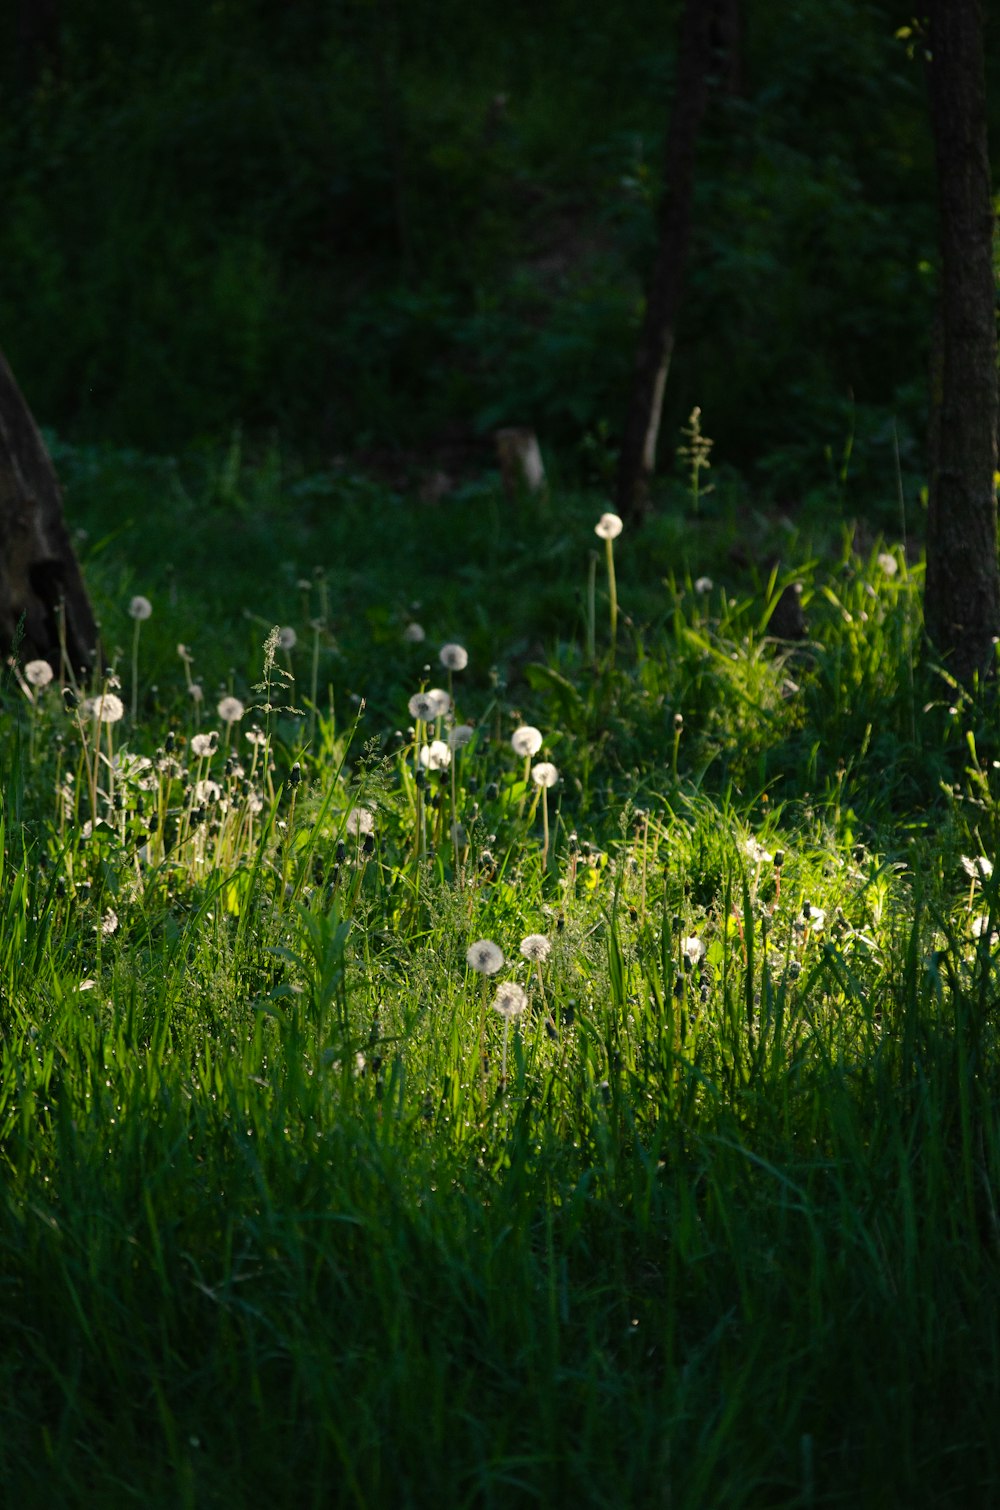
x=485 y=1021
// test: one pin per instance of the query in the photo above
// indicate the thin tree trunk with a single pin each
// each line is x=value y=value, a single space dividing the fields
x=656 y=339
x=962 y=589
x=44 y=609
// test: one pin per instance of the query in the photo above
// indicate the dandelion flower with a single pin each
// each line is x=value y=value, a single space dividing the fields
x=980 y=869
x=460 y=735
x=510 y=1000
x=287 y=638
x=536 y=948
x=109 y=923
x=38 y=673
x=608 y=527
x=887 y=563
x=414 y=634
x=106 y=709
x=454 y=657
x=693 y=949
x=422 y=706
x=440 y=701
x=360 y=820
x=436 y=756
x=526 y=740
x=485 y=957
x=204 y=744
x=544 y=774
x=230 y=710
x=140 y=608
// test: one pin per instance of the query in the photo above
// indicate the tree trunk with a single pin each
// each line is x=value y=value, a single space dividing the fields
x=37 y=40
x=42 y=597
x=962 y=589
x=656 y=340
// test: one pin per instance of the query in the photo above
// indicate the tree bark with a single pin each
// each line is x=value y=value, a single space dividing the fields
x=699 y=25
x=44 y=609
x=962 y=587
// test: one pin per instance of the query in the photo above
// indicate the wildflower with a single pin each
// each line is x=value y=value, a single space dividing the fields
x=413 y=634
x=422 y=706
x=360 y=820
x=526 y=740
x=204 y=744
x=693 y=949
x=544 y=774
x=485 y=957
x=436 y=756
x=38 y=673
x=207 y=791
x=536 y=947
x=106 y=709
x=510 y=1000
x=887 y=563
x=230 y=710
x=755 y=852
x=703 y=585
x=440 y=702
x=980 y=869
x=608 y=527
x=460 y=735
x=287 y=638
x=109 y=923
x=453 y=657
x=140 y=608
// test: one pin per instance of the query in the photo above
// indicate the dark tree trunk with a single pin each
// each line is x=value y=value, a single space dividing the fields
x=700 y=27
x=37 y=40
x=42 y=596
x=962 y=589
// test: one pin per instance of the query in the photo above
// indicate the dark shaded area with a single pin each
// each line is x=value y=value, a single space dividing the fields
x=380 y=226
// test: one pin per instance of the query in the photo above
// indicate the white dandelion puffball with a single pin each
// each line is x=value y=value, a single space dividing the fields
x=887 y=563
x=544 y=774
x=106 y=709
x=454 y=657
x=38 y=673
x=460 y=736
x=608 y=527
x=536 y=947
x=693 y=949
x=360 y=820
x=755 y=852
x=436 y=756
x=230 y=710
x=414 y=634
x=510 y=1000
x=485 y=957
x=980 y=869
x=421 y=706
x=204 y=744
x=440 y=701
x=109 y=923
x=527 y=740
x=816 y=919
x=140 y=608
x=287 y=638
x=703 y=585
x=256 y=737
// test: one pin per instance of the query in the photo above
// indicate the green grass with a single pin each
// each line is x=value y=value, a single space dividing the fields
x=290 y=1215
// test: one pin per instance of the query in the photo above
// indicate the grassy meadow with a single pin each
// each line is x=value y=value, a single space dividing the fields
x=483 y=1031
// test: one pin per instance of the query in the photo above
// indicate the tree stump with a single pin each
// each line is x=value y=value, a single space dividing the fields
x=44 y=608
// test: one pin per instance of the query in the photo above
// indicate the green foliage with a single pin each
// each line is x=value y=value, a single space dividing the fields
x=289 y=1212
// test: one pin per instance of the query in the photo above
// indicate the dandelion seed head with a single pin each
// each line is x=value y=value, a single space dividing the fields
x=287 y=638
x=460 y=735
x=230 y=710
x=887 y=563
x=485 y=957
x=510 y=1000
x=140 y=608
x=703 y=585
x=527 y=740
x=421 y=706
x=414 y=634
x=360 y=820
x=536 y=947
x=105 y=709
x=440 y=701
x=256 y=737
x=693 y=949
x=979 y=868
x=755 y=852
x=436 y=756
x=109 y=923
x=38 y=673
x=609 y=526
x=453 y=657
x=544 y=773
x=204 y=744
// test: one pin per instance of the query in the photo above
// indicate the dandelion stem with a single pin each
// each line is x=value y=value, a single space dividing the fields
x=612 y=593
